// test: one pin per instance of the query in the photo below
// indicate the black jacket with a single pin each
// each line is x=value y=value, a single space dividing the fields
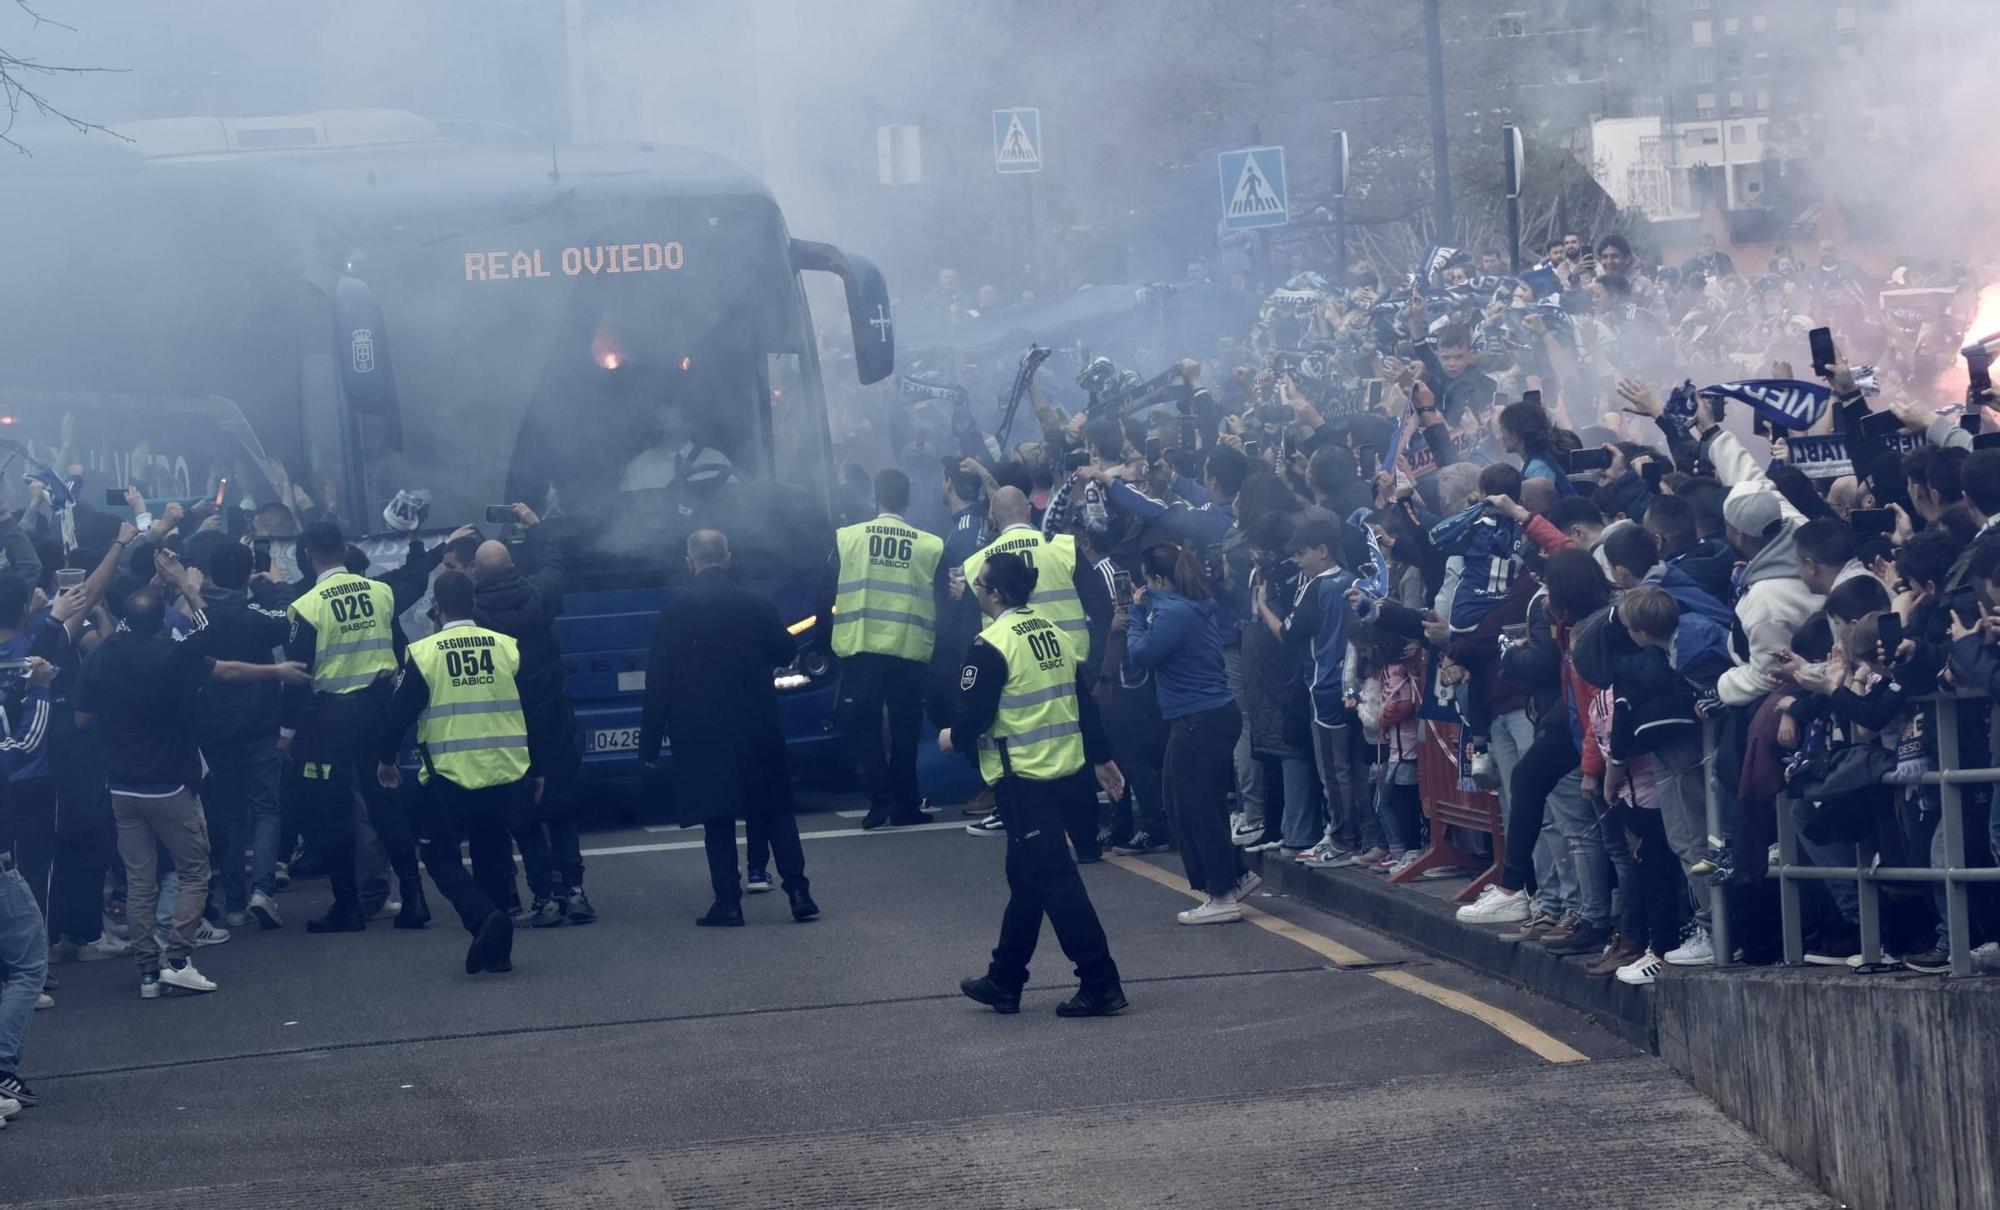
x=228 y=712
x=709 y=693
x=1711 y=562
x=525 y=607
x=1652 y=706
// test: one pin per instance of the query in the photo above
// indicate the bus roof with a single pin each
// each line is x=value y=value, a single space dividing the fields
x=369 y=160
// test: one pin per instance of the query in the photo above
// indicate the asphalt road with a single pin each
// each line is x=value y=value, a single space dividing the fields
x=642 y=1061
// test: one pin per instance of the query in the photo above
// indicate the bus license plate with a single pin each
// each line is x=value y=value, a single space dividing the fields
x=615 y=739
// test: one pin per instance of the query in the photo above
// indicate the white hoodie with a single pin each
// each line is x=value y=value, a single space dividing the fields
x=1774 y=601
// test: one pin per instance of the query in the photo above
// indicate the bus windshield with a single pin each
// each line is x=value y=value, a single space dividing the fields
x=641 y=367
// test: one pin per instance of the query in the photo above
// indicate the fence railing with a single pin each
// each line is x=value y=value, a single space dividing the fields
x=1868 y=877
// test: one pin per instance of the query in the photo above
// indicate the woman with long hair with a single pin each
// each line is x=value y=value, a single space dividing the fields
x=1172 y=633
x=1525 y=431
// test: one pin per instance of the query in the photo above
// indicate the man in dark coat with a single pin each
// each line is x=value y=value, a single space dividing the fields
x=709 y=692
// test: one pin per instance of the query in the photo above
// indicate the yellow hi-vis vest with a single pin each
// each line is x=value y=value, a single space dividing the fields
x=472 y=733
x=353 y=621
x=883 y=604
x=1039 y=720
x=1055 y=586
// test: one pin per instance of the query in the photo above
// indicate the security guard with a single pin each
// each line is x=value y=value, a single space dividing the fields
x=1053 y=560
x=1036 y=728
x=458 y=687
x=343 y=630
x=884 y=627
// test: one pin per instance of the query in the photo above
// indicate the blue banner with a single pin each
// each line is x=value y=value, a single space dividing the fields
x=1785 y=402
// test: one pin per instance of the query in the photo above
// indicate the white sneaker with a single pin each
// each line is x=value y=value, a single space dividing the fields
x=149 y=985
x=1484 y=772
x=185 y=977
x=1495 y=906
x=1306 y=856
x=1641 y=971
x=1264 y=846
x=1326 y=855
x=1405 y=862
x=208 y=934
x=265 y=910
x=1697 y=950
x=106 y=946
x=990 y=826
x=1249 y=882
x=1987 y=955
x=44 y=1000
x=1241 y=835
x=1212 y=911
x=8 y=1108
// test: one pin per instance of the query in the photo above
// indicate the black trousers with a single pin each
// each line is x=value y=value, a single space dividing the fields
x=558 y=858
x=1662 y=887
x=85 y=839
x=449 y=813
x=1080 y=816
x=33 y=806
x=779 y=830
x=1042 y=881
x=1199 y=771
x=1550 y=758
x=1138 y=743
x=871 y=686
x=337 y=751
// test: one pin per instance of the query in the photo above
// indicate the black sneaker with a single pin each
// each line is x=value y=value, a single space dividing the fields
x=1094 y=1004
x=11 y=1086
x=877 y=817
x=991 y=994
x=1932 y=961
x=1140 y=845
x=579 y=910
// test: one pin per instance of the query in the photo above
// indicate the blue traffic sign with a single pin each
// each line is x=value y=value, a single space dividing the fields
x=1253 y=188
x=1017 y=140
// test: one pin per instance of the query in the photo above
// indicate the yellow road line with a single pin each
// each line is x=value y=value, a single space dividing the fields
x=1509 y=1025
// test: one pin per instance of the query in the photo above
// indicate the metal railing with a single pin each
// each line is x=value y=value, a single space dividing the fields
x=1868 y=877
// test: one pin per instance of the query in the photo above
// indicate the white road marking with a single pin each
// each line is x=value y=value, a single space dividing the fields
x=830 y=834
x=657 y=828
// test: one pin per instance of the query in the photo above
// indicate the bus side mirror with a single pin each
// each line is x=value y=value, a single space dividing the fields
x=867 y=305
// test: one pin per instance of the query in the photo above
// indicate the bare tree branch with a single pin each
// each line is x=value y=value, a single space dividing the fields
x=19 y=96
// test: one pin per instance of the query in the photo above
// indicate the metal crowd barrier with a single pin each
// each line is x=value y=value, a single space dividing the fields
x=1954 y=873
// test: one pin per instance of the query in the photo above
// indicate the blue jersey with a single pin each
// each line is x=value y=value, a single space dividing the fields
x=1318 y=627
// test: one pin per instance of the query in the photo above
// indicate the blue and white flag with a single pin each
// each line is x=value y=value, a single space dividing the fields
x=1785 y=402
x=1431 y=271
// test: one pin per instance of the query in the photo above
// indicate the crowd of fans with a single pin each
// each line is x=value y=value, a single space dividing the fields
x=1459 y=509
x=1473 y=510
x=149 y=754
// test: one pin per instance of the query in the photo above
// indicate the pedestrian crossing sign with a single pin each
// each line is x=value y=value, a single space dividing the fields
x=1253 y=188
x=1017 y=140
